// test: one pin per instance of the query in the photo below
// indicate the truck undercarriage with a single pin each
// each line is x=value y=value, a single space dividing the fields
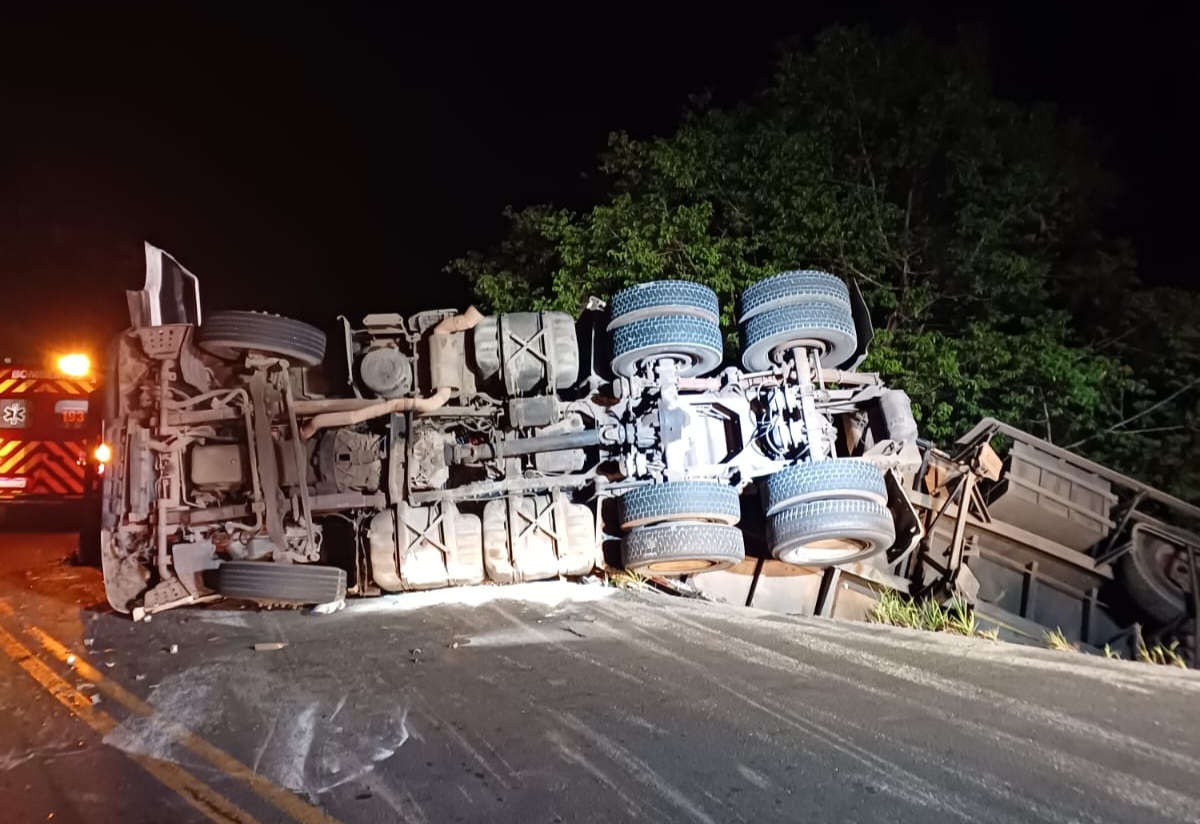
x=448 y=449
x=465 y=448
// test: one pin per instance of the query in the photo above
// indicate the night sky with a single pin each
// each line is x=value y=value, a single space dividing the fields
x=315 y=163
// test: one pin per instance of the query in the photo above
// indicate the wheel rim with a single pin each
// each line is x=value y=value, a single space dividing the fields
x=683 y=566
x=690 y=360
x=825 y=551
x=1172 y=565
x=783 y=350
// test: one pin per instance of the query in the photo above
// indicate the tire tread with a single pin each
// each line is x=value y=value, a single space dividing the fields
x=699 y=500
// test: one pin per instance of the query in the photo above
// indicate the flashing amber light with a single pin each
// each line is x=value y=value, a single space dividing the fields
x=76 y=365
x=103 y=453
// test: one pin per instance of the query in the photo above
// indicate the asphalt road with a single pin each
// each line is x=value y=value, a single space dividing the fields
x=559 y=703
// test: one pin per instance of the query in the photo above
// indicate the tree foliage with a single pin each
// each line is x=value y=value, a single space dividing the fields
x=972 y=223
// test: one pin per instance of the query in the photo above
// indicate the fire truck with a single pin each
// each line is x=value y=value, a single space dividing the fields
x=46 y=431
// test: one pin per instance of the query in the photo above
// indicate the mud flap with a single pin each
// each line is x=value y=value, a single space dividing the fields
x=863 y=328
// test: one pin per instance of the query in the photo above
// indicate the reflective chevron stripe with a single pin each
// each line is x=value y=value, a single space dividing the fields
x=23 y=381
x=44 y=467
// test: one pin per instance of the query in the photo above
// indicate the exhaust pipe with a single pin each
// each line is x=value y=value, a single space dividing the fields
x=447 y=326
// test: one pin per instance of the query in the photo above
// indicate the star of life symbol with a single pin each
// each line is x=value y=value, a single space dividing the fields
x=14 y=414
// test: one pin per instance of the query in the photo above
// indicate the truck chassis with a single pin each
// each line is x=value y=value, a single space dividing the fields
x=459 y=448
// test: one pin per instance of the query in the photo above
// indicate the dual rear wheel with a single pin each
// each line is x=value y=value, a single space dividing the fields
x=819 y=513
x=681 y=528
x=828 y=512
x=666 y=320
x=807 y=308
x=680 y=320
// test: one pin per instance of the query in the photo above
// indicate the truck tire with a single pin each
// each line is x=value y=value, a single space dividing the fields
x=831 y=325
x=680 y=501
x=230 y=335
x=1142 y=576
x=663 y=297
x=682 y=548
x=694 y=342
x=290 y=583
x=806 y=286
x=836 y=531
x=817 y=480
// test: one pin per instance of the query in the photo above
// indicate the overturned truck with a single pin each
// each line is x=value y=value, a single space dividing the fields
x=448 y=449
x=457 y=448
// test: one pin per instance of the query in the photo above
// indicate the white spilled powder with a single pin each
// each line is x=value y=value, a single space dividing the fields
x=182 y=702
x=306 y=743
x=42 y=754
x=636 y=768
x=224 y=619
x=754 y=777
x=542 y=593
x=295 y=744
x=514 y=637
x=575 y=755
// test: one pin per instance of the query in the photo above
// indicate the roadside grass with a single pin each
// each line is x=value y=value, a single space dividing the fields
x=956 y=618
x=960 y=618
x=627 y=579
x=1056 y=640
x=1162 y=655
x=895 y=610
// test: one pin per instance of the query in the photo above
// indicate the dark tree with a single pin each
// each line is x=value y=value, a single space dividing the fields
x=972 y=223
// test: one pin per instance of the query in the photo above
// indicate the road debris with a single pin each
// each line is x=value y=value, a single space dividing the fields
x=269 y=645
x=173 y=649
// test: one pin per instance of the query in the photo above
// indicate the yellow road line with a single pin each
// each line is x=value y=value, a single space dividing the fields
x=293 y=805
x=195 y=792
